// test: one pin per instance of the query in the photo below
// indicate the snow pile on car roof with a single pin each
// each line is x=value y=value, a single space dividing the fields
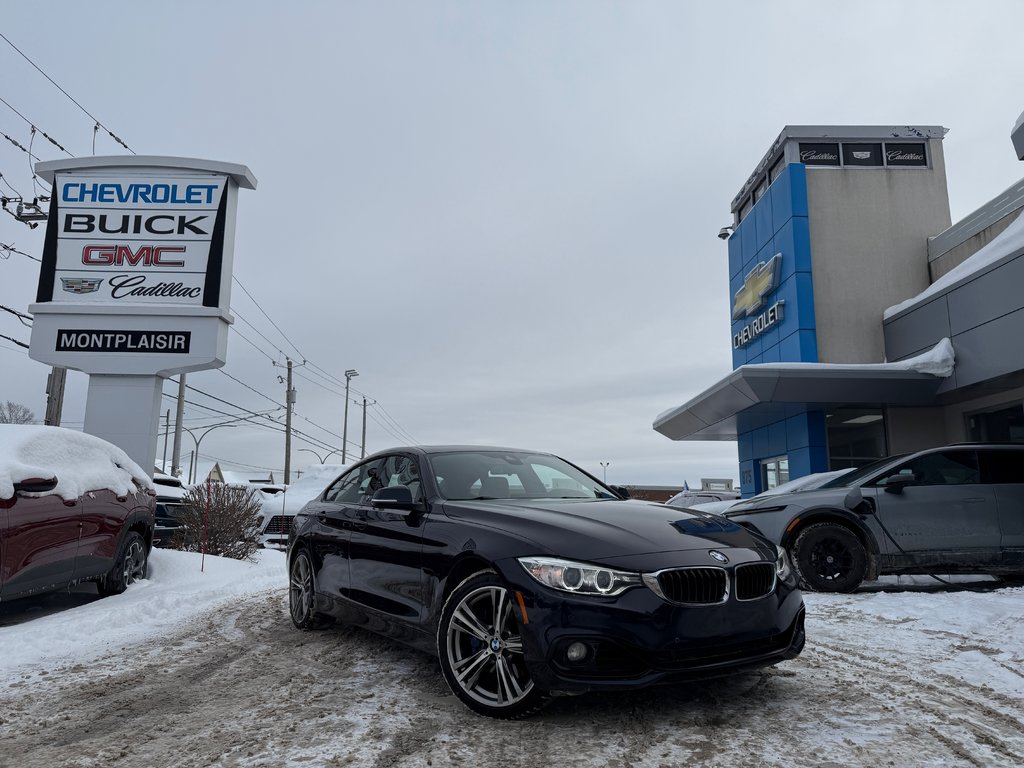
x=314 y=479
x=80 y=462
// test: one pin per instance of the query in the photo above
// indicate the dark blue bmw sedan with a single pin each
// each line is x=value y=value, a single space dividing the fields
x=530 y=578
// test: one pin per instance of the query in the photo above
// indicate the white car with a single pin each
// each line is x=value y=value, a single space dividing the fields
x=281 y=503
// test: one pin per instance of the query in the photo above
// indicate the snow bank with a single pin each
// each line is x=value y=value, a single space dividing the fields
x=1009 y=240
x=176 y=592
x=80 y=462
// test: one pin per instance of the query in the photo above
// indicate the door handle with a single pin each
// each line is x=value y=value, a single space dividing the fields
x=974 y=500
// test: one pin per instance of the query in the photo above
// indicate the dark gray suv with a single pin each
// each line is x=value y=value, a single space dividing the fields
x=956 y=509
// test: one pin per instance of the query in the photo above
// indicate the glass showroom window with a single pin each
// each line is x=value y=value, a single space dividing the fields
x=774 y=472
x=856 y=436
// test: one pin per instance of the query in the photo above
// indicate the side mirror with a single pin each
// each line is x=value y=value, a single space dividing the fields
x=622 y=490
x=394 y=497
x=36 y=485
x=896 y=483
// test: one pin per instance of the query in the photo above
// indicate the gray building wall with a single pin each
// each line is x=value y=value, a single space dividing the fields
x=869 y=230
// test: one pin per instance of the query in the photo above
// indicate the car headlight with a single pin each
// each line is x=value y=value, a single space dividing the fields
x=783 y=569
x=579 y=578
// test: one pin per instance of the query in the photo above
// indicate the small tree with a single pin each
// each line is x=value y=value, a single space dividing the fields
x=230 y=515
x=15 y=413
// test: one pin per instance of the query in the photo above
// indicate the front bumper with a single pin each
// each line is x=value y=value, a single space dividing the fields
x=637 y=639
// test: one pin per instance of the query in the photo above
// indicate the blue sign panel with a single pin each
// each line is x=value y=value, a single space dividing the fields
x=771 y=293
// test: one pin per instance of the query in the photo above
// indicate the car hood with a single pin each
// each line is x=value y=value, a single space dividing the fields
x=822 y=497
x=597 y=529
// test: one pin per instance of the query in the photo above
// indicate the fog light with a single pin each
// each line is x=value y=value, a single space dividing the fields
x=576 y=652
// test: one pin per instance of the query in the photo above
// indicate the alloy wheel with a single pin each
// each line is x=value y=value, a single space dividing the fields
x=301 y=590
x=134 y=563
x=485 y=649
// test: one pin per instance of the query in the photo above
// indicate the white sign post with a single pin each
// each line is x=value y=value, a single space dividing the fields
x=135 y=282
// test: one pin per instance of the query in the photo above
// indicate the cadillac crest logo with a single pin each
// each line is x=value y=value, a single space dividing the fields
x=716 y=555
x=81 y=284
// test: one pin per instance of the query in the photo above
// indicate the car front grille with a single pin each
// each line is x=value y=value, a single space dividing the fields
x=754 y=580
x=279 y=524
x=701 y=586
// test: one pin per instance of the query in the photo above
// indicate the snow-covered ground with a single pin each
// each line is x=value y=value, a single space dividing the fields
x=191 y=668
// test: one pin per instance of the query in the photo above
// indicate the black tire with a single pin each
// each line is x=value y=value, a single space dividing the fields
x=302 y=594
x=132 y=564
x=480 y=648
x=829 y=558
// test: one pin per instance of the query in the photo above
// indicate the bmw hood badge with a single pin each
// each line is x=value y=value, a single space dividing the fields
x=718 y=556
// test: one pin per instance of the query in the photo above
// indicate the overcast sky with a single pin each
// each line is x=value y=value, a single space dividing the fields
x=502 y=214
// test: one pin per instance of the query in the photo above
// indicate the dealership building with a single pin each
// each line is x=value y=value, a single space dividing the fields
x=864 y=321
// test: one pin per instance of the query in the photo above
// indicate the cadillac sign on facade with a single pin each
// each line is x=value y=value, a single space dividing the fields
x=135 y=281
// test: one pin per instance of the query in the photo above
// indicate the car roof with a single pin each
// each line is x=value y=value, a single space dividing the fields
x=432 y=449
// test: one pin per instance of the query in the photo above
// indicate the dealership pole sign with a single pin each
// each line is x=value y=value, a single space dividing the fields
x=135 y=279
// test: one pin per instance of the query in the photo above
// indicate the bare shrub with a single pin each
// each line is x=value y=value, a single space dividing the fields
x=231 y=516
x=15 y=413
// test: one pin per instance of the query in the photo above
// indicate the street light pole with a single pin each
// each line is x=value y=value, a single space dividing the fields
x=604 y=468
x=350 y=374
x=321 y=460
x=192 y=468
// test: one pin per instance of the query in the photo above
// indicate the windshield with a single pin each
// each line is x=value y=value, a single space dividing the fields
x=465 y=475
x=855 y=477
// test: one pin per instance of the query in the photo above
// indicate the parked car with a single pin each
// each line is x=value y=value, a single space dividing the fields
x=280 y=506
x=805 y=483
x=955 y=509
x=169 y=493
x=73 y=508
x=531 y=578
x=688 y=499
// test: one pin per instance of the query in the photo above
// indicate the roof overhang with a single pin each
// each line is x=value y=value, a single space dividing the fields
x=756 y=395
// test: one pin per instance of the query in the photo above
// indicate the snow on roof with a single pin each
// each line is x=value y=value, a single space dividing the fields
x=1008 y=241
x=314 y=479
x=233 y=477
x=938 y=361
x=80 y=462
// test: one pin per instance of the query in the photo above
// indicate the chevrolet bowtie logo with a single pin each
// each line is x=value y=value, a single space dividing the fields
x=760 y=281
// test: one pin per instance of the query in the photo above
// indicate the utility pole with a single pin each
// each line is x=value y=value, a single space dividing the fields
x=178 y=424
x=55 y=395
x=362 y=444
x=349 y=375
x=289 y=401
x=167 y=434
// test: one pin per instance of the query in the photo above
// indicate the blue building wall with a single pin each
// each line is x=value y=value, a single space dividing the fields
x=778 y=224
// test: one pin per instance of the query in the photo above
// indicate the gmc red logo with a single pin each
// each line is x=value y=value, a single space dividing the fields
x=122 y=255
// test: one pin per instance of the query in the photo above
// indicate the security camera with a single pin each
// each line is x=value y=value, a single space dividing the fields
x=724 y=232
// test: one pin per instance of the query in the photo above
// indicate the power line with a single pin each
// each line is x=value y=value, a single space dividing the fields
x=258 y=332
x=93 y=117
x=253 y=344
x=252 y=389
x=9 y=249
x=19 y=343
x=20 y=315
x=46 y=136
x=246 y=290
x=395 y=422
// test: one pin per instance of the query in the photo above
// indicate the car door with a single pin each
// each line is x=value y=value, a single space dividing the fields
x=40 y=543
x=944 y=515
x=329 y=533
x=1003 y=469
x=103 y=517
x=385 y=547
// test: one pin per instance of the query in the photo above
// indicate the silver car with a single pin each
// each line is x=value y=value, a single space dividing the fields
x=955 y=509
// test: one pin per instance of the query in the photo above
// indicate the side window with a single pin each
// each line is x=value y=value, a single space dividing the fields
x=403 y=470
x=1003 y=467
x=342 y=487
x=357 y=485
x=948 y=468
